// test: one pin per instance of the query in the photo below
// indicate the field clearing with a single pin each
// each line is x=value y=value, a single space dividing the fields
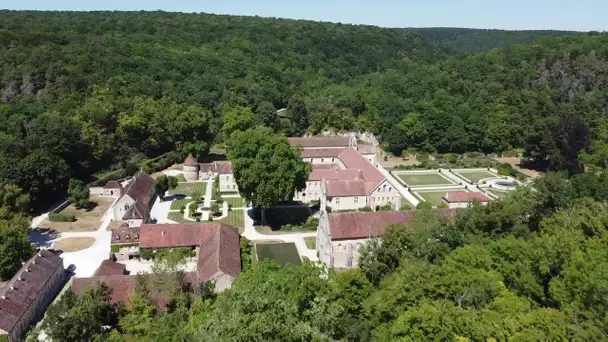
x=177 y=204
x=187 y=189
x=423 y=179
x=474 y=176
x=87 y=220
x=74 y=244
x=282 y=253
x=434 y=197
x=236 y=202
x=235 y=218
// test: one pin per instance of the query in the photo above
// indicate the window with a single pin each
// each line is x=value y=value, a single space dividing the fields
x=321 y=160
x=337 y=200
x=356 y=199
x=332 y=160
x=390 y=189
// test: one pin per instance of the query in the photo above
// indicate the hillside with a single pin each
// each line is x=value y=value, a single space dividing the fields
x=121 y=86
x=465 y=40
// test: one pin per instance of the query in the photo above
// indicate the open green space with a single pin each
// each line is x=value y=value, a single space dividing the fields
x=178 y=217
x=235 y=218
x=497 y=193
x=311 y=242
x=434 y=197
x=187 y=189
x=424 y=179
x=181 y=178
x=236 y=202
x=282 y=253
x=178 y=203
x=474 y=176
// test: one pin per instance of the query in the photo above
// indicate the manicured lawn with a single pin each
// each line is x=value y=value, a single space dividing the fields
x=433 y=197
x=311 y=242
x=187 y=189
x=474 y=176
x=236 y=202
x=282 y=253
x=423 y=179
x=498 y=193
x=177 y=204
x=181 y=178
x=178 y=217
x=235 y=218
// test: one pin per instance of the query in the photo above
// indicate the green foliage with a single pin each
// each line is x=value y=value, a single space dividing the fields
x=163 y=183
x=366 y=209
x=405 y=206
x=386 y=207
x=80 y=318
x=424 y=205
x=59 y=217
x=12 y=201
x=443 y=205
x=246 y=247
x=146 y=253
x=78 y=193
x=14 y=245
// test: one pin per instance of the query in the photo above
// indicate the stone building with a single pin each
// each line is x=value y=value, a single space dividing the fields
x=193 y=171
x=25 y=298
x=134 y=205
x=462 y=199
x=112 y=189
x=341 y=235
x=217 y=247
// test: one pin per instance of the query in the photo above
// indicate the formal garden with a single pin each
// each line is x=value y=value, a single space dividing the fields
x=474 y=175
x=420 y=179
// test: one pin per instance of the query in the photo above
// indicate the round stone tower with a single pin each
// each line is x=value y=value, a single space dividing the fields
x=191 y=168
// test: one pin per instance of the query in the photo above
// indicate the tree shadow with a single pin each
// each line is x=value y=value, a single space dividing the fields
x=90 y=206
x=42 y=237
x=174 y=197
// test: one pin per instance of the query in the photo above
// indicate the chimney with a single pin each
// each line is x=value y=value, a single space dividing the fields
x=4 y=297
x=12 y=287
x=162 y=233
x=27 y=270
x=20 y=279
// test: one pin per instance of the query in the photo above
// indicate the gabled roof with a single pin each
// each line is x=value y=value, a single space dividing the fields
x=465 y=197
x=319 y=174
x=110 y=268
x=319 y=141
x=140 y=189
x=345 y=188
x=321 y=152
x=354 y=160
x=112 y=185
x=190 y=160
x=221 y=168
x=22 y=290
x=125 y=234
x=326 y=167
x=362 y=225
x=219 y=244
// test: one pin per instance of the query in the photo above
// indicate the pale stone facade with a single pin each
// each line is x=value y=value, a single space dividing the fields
x=193 y=171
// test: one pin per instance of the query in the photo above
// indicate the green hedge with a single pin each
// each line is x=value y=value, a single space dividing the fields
x=116 y=248
x=58 y=217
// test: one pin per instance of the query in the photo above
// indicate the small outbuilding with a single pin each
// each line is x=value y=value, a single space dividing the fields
x=462 y=199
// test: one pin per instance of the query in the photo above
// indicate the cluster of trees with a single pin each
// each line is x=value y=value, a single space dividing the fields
x=121 y=87
x=14 y=227
x=527 y=268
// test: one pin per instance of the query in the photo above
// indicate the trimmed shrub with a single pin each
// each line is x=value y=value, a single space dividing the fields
x=443 y=205
x=59 y=217
x=405 y=206
x=366 y=209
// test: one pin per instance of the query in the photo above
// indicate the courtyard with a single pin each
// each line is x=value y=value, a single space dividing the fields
x=187 y=189
x=419 y=179
x=87 y=219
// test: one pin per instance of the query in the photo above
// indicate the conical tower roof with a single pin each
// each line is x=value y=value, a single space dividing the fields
x=190 y=161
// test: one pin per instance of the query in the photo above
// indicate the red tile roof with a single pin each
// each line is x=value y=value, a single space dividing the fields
x=125 y=234
x=110 y=268
x=190 y=160
x=319 y=174
x=123 y=285
x=112 y=185
x=319 y=141
x=326 y=167
x=361 y=225
x=26 y=285
x=465 y=197
x=221 y=168
x=321 y=152
x=354 y=160
x=345 y=188
x=219 y=244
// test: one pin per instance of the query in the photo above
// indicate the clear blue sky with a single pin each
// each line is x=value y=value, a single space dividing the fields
x=581 y=15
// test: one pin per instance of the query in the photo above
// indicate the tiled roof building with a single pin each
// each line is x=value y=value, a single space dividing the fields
x=26 y=296
x=134 y=205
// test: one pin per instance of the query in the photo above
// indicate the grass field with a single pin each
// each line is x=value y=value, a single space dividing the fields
x=433 y=197
x=474 y=176
x=311 y=242
x=187 y=189
x=235 y=218
x=282 y=253
x=423 y=179
x=177 y=204
x=86 y=219
x=74 y=244
x=236 y=202
x=178 y=217
x=498 y=193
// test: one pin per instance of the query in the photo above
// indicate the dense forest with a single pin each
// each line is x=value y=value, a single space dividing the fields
x=465 y=40
x=85 y=93
x=532 y=267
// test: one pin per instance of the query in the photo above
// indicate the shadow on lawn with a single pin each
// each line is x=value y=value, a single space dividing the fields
x=42 y=237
